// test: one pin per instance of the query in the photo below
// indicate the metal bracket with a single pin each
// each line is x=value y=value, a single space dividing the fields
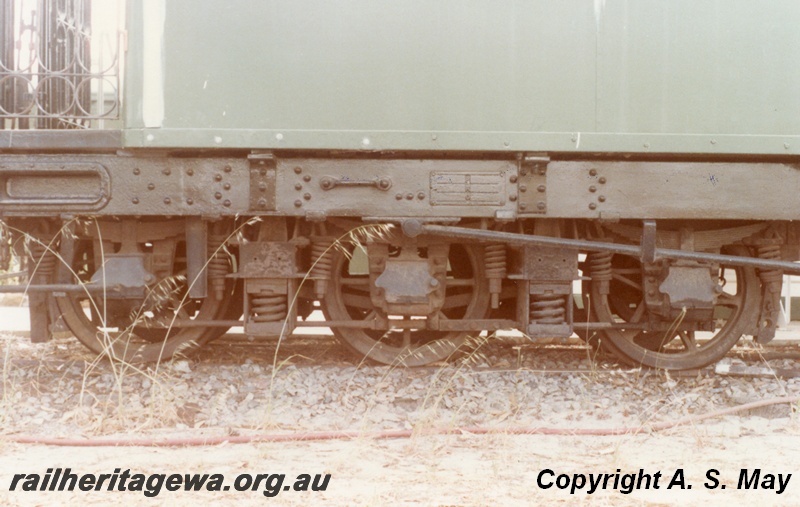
x=648 y=252
x=263 y=179
x=532 y=184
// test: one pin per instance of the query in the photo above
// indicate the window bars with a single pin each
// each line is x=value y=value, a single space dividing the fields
x=58 y=69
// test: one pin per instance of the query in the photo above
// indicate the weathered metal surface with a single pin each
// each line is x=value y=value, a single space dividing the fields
x=123 y=185
x=126 y=270
x=262 y=182
x=197 y=257
x=674 y=190
x=30 y=183
x=268 y=259
x=690 y=287
x=532 y=185
x=600 y=246
x=457 y=188
x=406 y=283
x=395 y=188
x=155 y=184
x=549 y=264
x=585 y=77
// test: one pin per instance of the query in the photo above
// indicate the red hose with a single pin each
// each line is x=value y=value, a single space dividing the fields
x=339 y=435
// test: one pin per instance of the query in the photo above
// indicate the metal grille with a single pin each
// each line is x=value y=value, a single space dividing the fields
x=55 y=73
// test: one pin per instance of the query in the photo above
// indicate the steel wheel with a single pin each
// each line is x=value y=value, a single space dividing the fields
x=137 y=330
x=680 y=347
x=348 y=298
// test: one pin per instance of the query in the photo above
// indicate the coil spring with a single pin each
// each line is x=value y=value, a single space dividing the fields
x=268 y=307
x=321 y=259
x=217 y=265
x=43 y=261
x=548 y=309
x=600 y=266
x=322 y=264
x=770 y=252
x=495 y=260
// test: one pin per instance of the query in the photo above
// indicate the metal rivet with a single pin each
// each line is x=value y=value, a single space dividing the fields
x=189 y=201
x=151 y=186
x=512 y=198
x=217 y=177
x=135 y=200
x=227 y=168
x=602 y=198
x=262 y=203
x=523 y=188
x=541 y=188
x=226 y=186
x=307 y=196
x=190 y=172
x=602 y=180
x=227 y=203
x=398 y=196
x=306 y=178
x=167 y=171
x=167 y=200
x=592 y=172
x=592 y=205
x=541 y=205
x=593 y=189
x=298 y=203
x=522 y=205
x=262 y=186
x=298 y=170
x=409 y=196
x=137 y=171
x=218 y=195
x=421 y=196
x=513 y=178
x=298 y=186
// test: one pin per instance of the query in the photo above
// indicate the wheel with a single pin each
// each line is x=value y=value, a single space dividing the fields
x=348 y=298
x=680 y=347
x=137 y=330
